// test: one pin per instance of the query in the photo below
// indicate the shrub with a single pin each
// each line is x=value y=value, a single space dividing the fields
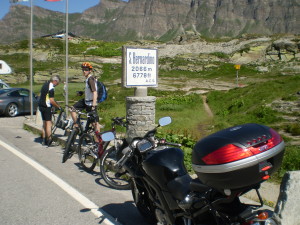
x=171 y=107
x=220 y=55
x=294 y=129
x=291 y=162
x=187 y=146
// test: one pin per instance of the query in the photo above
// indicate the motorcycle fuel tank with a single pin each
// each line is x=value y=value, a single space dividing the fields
x=238 y=157
x=165 y=165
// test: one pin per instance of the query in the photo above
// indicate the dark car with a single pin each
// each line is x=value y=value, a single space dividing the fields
x=15 y=101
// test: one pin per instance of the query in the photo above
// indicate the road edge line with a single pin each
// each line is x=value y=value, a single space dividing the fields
x=99 y=213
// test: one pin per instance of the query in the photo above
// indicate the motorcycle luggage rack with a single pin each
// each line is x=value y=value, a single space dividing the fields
x=259 y=198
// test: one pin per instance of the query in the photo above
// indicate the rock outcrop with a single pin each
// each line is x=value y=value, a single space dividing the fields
x=159 y=19
x=287 y=209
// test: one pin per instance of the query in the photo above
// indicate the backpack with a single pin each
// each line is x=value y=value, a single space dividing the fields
x=102 y=92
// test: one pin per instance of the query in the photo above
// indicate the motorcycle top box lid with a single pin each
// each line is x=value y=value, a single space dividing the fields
x=238 y=157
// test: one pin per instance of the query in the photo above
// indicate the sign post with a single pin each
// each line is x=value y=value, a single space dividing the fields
x=140 y=69
x=237 y=67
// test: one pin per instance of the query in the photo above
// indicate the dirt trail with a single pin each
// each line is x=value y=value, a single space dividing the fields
x=206 y=107
x=269 y=191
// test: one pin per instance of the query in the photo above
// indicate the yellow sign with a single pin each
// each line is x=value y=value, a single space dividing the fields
x=237 y=67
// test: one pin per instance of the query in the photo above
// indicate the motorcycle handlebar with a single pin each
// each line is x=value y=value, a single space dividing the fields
x=164 y=142
x=172 y=144
x=126 y=155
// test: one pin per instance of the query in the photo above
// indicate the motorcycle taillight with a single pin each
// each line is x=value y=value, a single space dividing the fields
x=231 y=152
x=226 y=154
x=272 y=142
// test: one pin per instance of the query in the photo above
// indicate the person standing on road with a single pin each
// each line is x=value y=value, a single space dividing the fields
x=46 y=102
x=89 y=102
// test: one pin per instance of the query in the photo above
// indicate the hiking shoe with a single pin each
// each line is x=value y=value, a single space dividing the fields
x=52 y=143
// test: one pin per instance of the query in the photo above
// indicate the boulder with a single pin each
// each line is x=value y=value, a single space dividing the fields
x=288 y=205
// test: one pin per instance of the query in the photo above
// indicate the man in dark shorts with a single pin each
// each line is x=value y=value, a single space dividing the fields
x=46 y=102
x=89 y=103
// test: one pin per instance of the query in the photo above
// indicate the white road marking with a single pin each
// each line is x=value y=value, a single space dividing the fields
x=106 y=219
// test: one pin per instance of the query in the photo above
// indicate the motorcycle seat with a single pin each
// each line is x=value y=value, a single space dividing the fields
x=197 y=186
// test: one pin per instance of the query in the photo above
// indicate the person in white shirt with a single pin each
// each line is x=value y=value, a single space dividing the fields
x=89 y=102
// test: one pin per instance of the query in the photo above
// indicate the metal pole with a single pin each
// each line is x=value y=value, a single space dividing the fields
x=237 y=78
x=31 y=52
x=67 y=53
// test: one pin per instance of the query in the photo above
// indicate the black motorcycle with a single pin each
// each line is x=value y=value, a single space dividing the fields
x=228 y=164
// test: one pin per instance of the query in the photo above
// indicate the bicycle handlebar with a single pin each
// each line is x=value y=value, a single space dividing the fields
x=119 y=121
x=71 y=108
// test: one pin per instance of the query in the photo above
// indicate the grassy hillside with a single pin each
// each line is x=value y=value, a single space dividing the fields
x=180 y=80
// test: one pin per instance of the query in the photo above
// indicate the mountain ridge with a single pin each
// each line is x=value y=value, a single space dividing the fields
x=115 y=20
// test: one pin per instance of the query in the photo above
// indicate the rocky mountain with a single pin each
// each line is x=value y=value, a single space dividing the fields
x=159 y=19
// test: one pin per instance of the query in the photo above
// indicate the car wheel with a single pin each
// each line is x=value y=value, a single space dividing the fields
x=12 y=110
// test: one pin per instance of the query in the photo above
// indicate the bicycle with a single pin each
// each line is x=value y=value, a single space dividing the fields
x=116 y=177
x=90 y=151
x=54 y=119
x=84 y=126
x=58 y=121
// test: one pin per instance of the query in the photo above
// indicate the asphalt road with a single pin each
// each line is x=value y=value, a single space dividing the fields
x=36 y=188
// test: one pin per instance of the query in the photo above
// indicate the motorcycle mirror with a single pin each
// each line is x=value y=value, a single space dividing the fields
x=108 y=136
x=164 y=121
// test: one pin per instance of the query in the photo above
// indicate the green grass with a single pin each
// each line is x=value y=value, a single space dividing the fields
x=190 y=121
x=189 y=116
x=291 y=162
x=250 y=104
x=293 y=129
x=21 y=59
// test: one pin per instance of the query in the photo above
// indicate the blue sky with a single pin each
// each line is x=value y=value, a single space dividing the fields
x=74 y=5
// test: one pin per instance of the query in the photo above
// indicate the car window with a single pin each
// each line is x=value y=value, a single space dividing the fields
x=3 y=91
x=15 y=94
x=24 y=93
x=3 y=84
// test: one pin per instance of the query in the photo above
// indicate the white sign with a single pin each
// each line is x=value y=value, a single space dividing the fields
x=140 y=67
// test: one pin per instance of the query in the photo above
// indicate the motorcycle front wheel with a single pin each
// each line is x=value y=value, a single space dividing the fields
x=113 y=176
x=143 y=203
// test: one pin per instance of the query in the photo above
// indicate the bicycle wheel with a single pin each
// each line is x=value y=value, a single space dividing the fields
x=113 y=176
x=54 y=119
x=87 y=152
x=70 y=148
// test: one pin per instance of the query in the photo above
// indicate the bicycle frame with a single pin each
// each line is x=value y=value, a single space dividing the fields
x=55 y=120
x=82 y=129
x=102 y=144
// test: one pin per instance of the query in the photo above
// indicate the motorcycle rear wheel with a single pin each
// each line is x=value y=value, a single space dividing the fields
x=143 y=203
x=114 y=177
